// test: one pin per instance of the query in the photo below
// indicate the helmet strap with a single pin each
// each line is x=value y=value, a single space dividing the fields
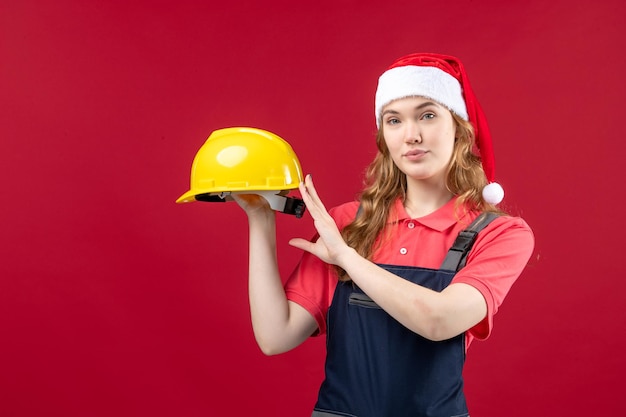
x=283 y=204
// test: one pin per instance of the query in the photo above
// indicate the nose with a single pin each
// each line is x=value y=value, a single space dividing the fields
x=413 y=133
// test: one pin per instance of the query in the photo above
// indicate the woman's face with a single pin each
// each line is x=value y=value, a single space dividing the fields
x=419 y=134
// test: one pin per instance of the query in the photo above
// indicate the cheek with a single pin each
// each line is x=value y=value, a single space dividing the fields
x=391 y=141
x=446 y=145
x=450 y=146
x=450 y=130
x=449 y=138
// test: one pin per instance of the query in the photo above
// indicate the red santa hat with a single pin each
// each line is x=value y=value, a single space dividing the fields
x=441 y=78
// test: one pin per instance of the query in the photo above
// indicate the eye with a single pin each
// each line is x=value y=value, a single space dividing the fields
x=392 y=121
x=428 y=116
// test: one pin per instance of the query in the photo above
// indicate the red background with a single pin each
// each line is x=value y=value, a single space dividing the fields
x=116 y=301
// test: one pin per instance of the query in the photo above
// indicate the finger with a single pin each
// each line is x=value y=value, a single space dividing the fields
x=311 y=198
x=309 y=201
x=244 y=199
x=240 y=200
x=308 y=180
x=300 y=243
x=250 y=202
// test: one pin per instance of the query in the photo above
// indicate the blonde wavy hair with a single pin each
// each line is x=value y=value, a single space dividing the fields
x=384 y=183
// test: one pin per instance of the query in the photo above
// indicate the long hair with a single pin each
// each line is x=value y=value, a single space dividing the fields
x=384 y=183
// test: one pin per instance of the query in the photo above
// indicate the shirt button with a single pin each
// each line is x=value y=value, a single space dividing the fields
x=411 y=225
x=403 y=251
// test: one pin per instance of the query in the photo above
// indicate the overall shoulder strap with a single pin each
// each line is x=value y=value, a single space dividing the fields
x=457 y=255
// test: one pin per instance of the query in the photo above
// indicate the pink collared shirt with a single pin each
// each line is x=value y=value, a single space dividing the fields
x=496 y=260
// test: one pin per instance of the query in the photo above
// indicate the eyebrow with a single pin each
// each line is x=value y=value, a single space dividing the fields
x=421 y=106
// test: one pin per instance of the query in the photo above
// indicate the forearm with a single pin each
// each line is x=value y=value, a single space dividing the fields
x=433 y=315
x=276 y=327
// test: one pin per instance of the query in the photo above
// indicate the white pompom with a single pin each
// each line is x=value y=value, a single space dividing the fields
x=493 y=193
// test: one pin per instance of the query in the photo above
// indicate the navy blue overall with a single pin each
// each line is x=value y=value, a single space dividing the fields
x=376 y=367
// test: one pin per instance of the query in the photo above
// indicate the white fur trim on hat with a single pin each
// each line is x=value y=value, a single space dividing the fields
x=411 y=80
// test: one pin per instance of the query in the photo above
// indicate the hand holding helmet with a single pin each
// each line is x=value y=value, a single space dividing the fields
x=245 y=160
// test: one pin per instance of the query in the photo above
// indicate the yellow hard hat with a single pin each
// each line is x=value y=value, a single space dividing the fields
x=246 y=160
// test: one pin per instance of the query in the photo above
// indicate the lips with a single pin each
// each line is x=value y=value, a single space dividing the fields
x=415 y=153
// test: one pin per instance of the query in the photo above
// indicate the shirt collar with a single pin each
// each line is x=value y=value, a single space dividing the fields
x=440 y=220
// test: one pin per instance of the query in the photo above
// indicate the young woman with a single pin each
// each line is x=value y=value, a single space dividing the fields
x=397 y=324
